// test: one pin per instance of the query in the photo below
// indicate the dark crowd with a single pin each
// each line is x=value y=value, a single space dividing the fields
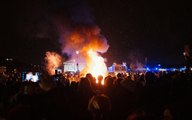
x=133 y=96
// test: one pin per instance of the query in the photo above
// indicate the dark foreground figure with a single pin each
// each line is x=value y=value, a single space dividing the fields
x=150 y=96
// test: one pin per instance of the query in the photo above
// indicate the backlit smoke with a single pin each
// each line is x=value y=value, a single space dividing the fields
x=52 y=61
x=85 y=39
x=136 y=66
x=78 y=32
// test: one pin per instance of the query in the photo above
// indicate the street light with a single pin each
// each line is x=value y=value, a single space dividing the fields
x=77 y=52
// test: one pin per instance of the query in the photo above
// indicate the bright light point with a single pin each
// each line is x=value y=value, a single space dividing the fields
x=162 y=69
x=148 y=69
x=156 y=68
x=77 y=52
x=159 y=65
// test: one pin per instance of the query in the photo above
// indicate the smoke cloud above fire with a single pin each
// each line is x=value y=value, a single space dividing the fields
x=81 y=33
x=78 y=32
x=83 y=39
x=90 y=44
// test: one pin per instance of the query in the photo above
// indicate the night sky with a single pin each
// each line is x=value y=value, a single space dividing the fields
x=134 y=29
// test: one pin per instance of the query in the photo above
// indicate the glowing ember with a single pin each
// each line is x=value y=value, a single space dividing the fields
x=53 y=60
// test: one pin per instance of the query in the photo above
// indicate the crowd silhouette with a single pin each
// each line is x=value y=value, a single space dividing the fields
x=133 y=96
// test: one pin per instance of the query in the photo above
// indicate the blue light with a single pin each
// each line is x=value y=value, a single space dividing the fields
x=162 y=69
x=182 y=69
x=147 y=68
x=172 y=69
x=156 y=68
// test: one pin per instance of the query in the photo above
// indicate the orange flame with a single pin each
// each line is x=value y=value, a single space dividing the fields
x=53 y=60
x=88 y=41
x=95 y=65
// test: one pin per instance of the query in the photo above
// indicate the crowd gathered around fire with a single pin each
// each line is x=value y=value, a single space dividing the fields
x=134 y=96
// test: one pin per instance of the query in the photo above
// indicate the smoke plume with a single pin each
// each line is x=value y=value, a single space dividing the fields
x=83 y=39
x=52 y=61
